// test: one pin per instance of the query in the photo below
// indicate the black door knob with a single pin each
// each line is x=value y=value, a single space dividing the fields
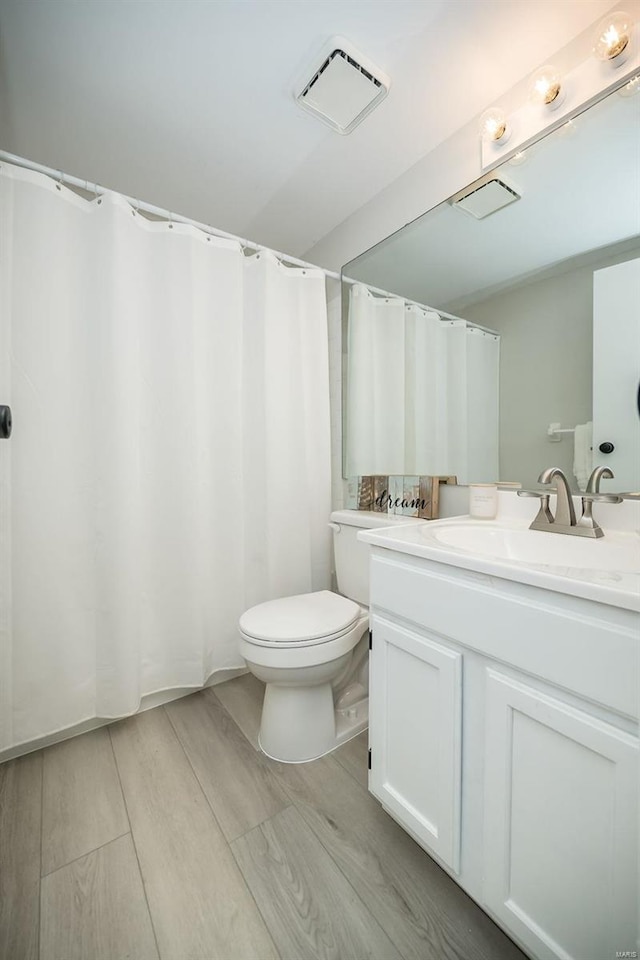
x=606 y=447
x=5 y=422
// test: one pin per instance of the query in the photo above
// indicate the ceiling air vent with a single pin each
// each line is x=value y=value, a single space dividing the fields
x=486 y=198
x=343 y=88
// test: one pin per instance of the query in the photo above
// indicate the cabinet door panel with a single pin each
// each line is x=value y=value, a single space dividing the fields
x=415 y=711
x=560 y=840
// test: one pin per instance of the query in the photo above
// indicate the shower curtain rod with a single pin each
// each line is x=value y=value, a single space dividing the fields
x=140 y=205
x=423 y=306
x=90 y=187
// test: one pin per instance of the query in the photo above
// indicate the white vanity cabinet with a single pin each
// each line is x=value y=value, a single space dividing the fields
x=503 y=737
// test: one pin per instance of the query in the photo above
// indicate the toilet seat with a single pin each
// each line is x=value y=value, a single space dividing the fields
x=300 y=621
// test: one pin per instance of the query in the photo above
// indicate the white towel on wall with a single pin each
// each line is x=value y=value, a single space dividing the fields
x=582 y=453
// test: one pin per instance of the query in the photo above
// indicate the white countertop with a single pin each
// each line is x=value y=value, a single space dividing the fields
x=592 y=581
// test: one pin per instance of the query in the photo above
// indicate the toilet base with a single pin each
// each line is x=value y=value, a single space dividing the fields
x=300 y=724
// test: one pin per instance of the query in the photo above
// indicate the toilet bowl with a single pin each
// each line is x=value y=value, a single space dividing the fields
x=305 y=645
x=311 y=651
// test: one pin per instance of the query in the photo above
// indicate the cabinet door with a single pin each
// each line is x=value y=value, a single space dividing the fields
x=560 y=840
x=414 y=730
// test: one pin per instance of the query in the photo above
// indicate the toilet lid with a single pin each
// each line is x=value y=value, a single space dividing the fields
x=309 y=616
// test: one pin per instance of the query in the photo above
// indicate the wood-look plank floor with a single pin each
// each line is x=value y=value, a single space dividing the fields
x=171 y=835
x=310 y=907
x=242 y=698
x=20 y=819
x=215 y=746
x=101 y=901
x=83 y=806
x=352 y=755
x=199 y=902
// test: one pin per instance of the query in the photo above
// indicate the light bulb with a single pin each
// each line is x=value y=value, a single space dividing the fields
x=612 y=38
x=545 y=87
x=493 y=126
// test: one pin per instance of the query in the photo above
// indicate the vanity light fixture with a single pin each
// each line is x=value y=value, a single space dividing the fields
x=545 y=87
x=613 y=38
x=553 y=97
x=493 y=126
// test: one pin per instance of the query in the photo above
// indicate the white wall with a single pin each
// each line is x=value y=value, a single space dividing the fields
x=545 y=369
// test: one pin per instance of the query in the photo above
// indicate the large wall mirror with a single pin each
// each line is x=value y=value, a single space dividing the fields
x=499 y=333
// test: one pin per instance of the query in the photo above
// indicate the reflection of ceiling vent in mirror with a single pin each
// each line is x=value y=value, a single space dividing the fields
x=343 y=87
x=485 y=199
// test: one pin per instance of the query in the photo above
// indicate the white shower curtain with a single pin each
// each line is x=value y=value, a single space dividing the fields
x=422 y=393
x=169 y=464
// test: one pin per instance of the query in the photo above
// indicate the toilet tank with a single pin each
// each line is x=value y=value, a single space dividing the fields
x=351 y=555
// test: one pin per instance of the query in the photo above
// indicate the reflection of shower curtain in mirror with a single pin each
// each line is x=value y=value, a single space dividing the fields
x=422 y=393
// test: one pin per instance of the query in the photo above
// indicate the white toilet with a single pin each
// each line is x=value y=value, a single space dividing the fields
x=312 y=652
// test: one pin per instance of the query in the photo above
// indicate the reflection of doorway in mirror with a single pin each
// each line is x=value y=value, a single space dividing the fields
x=616 y=370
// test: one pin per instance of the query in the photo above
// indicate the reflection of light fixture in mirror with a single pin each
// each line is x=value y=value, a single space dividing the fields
x=545 y=87
x=493 y=126
x=567 y=129
x=519 y=158
x=612 y=38
x=631 y=87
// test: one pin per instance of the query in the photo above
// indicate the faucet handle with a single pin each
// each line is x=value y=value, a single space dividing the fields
x=544 y=518
x=601 y=498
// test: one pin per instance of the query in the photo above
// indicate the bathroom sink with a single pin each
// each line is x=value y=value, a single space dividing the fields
x=616 y=553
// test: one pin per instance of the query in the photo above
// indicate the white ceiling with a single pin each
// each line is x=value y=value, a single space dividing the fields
x=187 y=104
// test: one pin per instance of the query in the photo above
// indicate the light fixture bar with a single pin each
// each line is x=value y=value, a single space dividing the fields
x=584 y=85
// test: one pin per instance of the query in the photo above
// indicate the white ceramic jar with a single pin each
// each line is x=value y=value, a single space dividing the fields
x=483 y=500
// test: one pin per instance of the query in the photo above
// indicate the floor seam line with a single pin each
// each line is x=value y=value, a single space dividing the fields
x=39 y=931
x=83 y=855
x=228 y=843
x=133 y=841
x=194 y=772
x=256 y=826
x=246 y=883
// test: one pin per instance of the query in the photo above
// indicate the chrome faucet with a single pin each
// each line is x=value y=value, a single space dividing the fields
x=564 y=520
x=565 y=514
